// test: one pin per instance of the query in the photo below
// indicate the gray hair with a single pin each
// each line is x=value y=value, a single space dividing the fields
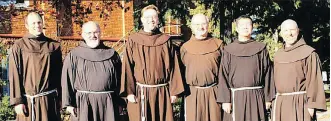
x=90 y=22
x=200 y=14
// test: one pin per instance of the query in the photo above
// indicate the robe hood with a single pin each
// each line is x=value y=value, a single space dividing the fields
x=247 y=48
x=40 y=44
x=99 y=53
x=298 y=51
x=154 y=38
x=202 y=46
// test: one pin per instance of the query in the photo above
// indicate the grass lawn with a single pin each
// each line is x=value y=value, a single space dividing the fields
x=327 y=96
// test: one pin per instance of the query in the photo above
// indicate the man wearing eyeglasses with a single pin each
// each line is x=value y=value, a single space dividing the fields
x=201 y=56
x=90 y=78
x=151 y=78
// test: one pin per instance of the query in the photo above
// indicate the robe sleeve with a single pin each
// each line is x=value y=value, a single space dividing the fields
x=15 y=76
x=267 y=76
x=182 y=54
x=127 y=78
x=176 y=85
x=118 y=68
x=314 y=84
x=58 y=68
x=224 y=95
x=68 y=91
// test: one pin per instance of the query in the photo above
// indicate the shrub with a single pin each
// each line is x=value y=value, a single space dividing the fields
x=6 y=111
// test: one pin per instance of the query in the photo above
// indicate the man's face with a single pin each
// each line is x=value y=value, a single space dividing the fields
x=244 y=27
x=289 y=32
x=150 y=20
x=91 y=34
x=34 y=24
x=199 y=26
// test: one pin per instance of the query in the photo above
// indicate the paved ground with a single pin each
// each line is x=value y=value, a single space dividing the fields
x=323 y=116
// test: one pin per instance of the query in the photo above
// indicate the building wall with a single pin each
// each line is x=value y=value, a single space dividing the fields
x=114 y=17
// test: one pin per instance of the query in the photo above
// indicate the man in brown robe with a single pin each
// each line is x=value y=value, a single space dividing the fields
x=201 y=56
x=35 y=64
x=90 y=78
x=151 y=78
x=245 y=80
x=298 y=78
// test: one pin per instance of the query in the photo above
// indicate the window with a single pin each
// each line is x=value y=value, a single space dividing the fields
x=17 y=3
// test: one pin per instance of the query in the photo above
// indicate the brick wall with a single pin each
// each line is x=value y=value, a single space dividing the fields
x=68 y=45
x=108 y=14
x=5 y=24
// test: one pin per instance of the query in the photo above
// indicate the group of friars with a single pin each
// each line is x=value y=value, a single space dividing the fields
x=236 y=82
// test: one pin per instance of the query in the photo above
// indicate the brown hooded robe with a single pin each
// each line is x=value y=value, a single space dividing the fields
x=246 y=64
x=150 y=58
x=35 y=65
x=202 y=59
x=298 y=68
x=95 y=70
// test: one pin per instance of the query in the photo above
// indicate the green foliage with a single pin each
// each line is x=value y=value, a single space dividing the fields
x=3 y=50
x=327 y=92
x=6 y=111
x=312 y=16
x=214 y=24
x=271 y=40
x=177 y=108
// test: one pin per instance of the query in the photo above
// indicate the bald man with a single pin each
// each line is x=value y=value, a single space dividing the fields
x=246 y=86
x=298 y=78
x=35 y=64
x=90 y=78
x=201 y=56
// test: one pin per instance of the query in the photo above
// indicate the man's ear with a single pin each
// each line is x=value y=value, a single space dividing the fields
x=26 y=26
x=236 y=29
x=281 y=33
x=141 y=19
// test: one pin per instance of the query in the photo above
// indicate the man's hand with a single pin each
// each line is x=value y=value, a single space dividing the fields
x=131 y=98
x=20 y=109
x=311 y=111
x=227 y=107
x=173 y=99
x=72 y=110
x=268 y=105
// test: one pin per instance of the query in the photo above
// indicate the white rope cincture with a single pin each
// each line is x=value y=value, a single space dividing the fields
x=206 y=87
x=185 y=109
x=95 y=92
x=233 y=90
x=142 y=97
x=198 y=87
x=31 y=97
x=283 y=94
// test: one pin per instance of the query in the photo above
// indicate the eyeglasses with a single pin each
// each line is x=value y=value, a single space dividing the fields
x=150 y=17
x=92 y=33
x=202 y=24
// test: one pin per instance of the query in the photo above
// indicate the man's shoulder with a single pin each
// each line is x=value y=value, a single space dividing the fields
x=50 y=40
x=18 y=41
x=17 y=45
x=245 y=49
